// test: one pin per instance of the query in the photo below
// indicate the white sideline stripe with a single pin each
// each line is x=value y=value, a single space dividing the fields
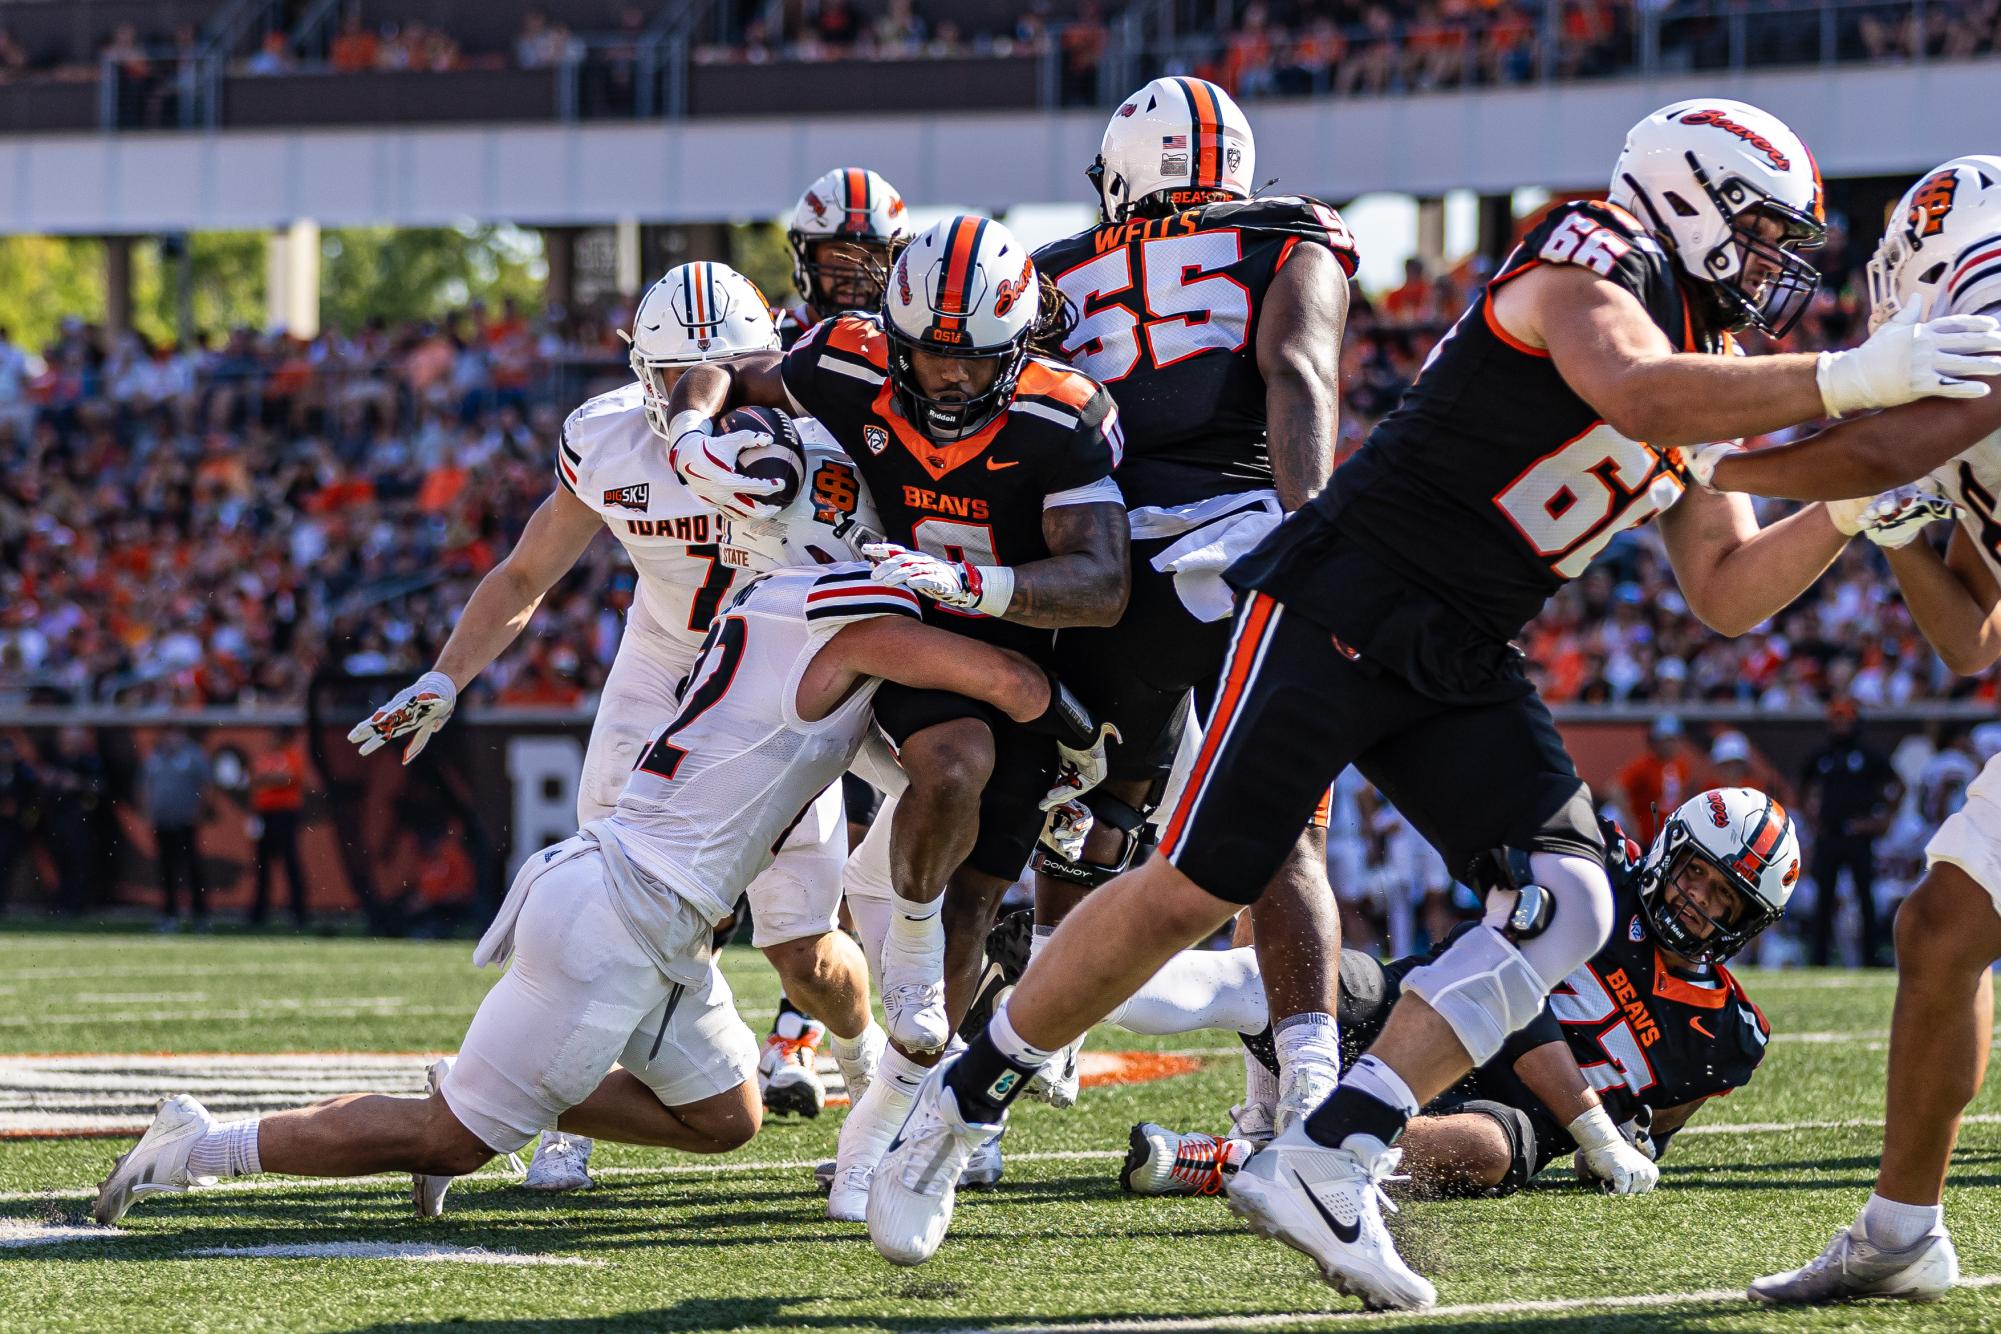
x=496 y=1174
x=385 y=1009
x=26 y=1232
x=1287 y=1320
x=728 y=1168
x=411 y=1251
x=136 y=997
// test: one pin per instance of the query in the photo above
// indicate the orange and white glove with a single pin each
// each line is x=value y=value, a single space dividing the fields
x=416 y=711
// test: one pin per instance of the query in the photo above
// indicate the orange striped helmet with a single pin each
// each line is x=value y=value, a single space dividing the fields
x=965 y=289
x=1744 y=839
x=697 y=312
x=1175 y=143
x=850 y=204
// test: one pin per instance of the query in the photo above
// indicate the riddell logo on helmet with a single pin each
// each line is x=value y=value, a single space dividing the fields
x=1744 y=132
x=1931 y=202
x=1718 y=812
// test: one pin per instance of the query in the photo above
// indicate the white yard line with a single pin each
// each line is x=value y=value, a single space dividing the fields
x=1289 y=1320
x=406 y=1251
x=729 y=1167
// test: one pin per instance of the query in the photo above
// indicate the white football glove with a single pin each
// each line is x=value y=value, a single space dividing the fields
x=706 y=464
x=416 y=711
x=982 y=588
x=1610 y=1159
x=1078 y=771
x=1906 y=360
x=1893 y=519
x=1067 y=826
x=1701 y=462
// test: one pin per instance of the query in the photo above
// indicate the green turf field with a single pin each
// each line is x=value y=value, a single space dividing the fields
x=668 y=1242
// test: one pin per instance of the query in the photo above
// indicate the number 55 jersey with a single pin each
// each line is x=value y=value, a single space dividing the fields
x=1492 y=483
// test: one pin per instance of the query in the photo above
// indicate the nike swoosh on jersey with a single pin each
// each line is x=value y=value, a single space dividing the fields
x=1695 y=1022
x=1347 y=1233
x=994 y=465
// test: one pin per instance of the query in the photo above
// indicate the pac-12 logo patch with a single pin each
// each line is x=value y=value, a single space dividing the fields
x=875 y=438
x=628 y=497
x=1636 y=932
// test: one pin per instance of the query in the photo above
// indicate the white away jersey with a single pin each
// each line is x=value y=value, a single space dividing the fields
x=611 y=460
x=719 y=787
x=1973 y=479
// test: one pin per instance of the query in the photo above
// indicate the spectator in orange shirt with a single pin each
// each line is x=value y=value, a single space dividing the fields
x=1408 y=302
x=1657 y=781
x=354 y=47
x=277 y=795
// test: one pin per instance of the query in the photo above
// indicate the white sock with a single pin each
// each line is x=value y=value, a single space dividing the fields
x=1199 y=989
x=1385 y=1085
x=1895 y=1227
x=872 y=1122
x=847 y=1049
x=1313 y=1037
x=1010 y=1043
x=1038 y=938
x=1260 y=1084
x=228 y=1150
x=914 y=927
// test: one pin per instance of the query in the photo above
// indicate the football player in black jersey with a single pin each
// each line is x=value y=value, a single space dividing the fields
x=1626 y=1050
x=1215 y=320
x=1374 y=628
x=841 y=232
x=991 y=468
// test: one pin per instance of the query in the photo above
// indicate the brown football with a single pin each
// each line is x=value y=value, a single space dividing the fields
x=783 y=460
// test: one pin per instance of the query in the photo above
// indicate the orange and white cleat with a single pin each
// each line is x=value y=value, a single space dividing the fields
x=786 y=1075
x=1160 y=1161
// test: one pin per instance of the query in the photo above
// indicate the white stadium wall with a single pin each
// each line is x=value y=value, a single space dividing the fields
x=1861 y=122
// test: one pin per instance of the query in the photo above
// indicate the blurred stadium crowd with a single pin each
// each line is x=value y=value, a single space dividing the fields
x=206 y=526
x=1256 y=48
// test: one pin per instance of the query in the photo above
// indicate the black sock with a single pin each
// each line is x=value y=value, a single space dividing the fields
x=1260 y=1045
x=985 y=1082
x=1353 y=1112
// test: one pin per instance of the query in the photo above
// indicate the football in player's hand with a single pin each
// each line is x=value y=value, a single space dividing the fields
x=783 y=460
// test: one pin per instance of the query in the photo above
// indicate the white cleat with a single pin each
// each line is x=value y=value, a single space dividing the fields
x=1304 y=1086
x=913 y=991
x=1058 y=1079
x=1327 y=1204
x=984 y=1168
x=158 y=1162
x=1254 y=1121
x=914 y=1013
x=1850 y=1267
x=847 y=1193
x=427 y=1192
x=787 y=1079
x=858 y=1071
x=1160 y=1161
x=562 y=1162
x=910 y=1201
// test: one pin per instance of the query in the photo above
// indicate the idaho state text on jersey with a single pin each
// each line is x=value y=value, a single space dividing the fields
x=1167 y=311
x=1492 y=483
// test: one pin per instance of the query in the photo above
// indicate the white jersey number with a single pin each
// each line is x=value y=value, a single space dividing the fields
x=1195 y=309
x=1570 y=503
x=1582 y=999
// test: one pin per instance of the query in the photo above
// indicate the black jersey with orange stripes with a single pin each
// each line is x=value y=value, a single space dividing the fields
x=980 y=499
x=1167 y=319
x=1492 y=483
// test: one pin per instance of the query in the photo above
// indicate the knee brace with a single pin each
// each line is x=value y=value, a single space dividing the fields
x=1135 y=836
x=1580 y=913
x=1483 y=988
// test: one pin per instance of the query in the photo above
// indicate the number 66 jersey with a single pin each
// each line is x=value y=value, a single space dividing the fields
x=1492 y=483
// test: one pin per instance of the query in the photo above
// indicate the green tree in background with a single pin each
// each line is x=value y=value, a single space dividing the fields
x=421 y=273
x=44 y=278
x=759 y=252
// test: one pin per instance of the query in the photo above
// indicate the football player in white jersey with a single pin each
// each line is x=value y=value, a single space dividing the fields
x=1940 y=258
x=611 y=932
x=611 y=472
